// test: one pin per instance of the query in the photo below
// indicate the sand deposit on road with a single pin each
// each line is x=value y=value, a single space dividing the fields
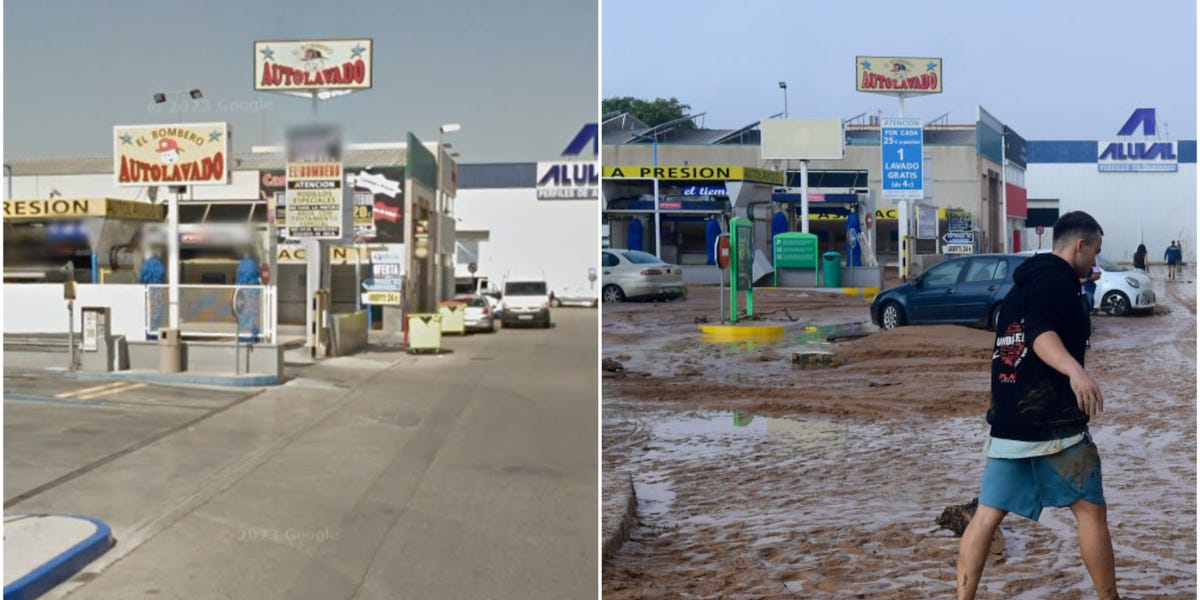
x=759 y=480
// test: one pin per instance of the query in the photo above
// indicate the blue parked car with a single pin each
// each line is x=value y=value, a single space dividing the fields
x=966 y=290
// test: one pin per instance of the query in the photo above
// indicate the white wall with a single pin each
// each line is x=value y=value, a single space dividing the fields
x=1133 y=208
x=561 y=237
x=40 y=308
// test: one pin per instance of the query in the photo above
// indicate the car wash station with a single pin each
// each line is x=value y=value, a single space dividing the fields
x=197 y=272
x=884 y=192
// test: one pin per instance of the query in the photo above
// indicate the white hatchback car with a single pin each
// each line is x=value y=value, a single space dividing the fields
x=1121 y=289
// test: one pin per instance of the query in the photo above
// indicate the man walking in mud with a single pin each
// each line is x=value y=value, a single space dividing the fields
x=1039 y=450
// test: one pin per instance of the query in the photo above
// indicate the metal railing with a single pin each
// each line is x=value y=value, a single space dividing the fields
x=242 y=312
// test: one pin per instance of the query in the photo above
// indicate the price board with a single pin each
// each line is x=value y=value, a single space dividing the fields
x=958 y=221
x=387 y=270
x=314 y=191
x=795 y=250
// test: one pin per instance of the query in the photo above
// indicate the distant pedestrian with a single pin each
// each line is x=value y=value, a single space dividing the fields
x=1039 y=451
x=1089 y=287
x=1173 y=256
x=1139 y=257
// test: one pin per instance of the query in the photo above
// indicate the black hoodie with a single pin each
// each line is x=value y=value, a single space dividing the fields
x=1030 y=400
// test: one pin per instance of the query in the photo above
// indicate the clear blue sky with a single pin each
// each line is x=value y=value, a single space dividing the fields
x=519 y=75
x=1050 y=69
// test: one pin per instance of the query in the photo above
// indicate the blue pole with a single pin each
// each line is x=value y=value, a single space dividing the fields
x=95 y=269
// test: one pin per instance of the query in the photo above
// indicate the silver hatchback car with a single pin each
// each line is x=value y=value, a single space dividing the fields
x=478 y=314
x=636 y=274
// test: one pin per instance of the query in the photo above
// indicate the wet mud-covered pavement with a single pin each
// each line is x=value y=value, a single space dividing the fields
x=756 y=478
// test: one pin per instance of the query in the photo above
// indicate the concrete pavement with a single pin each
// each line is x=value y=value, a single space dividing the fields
x=52 y=549
x=470 y=474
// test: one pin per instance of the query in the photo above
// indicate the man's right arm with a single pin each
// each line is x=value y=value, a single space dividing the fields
x=1049 y=347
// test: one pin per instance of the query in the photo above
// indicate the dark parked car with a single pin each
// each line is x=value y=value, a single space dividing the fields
x=966 y=290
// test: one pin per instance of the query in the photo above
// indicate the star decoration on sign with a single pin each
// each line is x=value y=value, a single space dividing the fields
x=215 y=136
x=866 y=64
x=357 y=51
x=931 y=66
x=268 y=53
x=126 y=139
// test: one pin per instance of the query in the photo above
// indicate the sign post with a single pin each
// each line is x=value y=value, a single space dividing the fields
x=900 y=76
x=901 y=143
x=317 y=70
x=177 y=156
x=315 y=202
x=721 y=251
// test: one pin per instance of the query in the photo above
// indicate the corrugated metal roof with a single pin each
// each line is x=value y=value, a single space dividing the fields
x=1187 y=151
x=619 y=128
x=61 y=166
x=470 y=176
x=1061 y=151
x=89 y=165
x=693 y=136
x=497 y=176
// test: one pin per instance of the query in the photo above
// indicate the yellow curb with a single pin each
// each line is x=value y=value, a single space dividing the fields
x=860 y=291
x=737 y=333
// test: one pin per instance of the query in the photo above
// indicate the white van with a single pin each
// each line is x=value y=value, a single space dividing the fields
x=525 y=300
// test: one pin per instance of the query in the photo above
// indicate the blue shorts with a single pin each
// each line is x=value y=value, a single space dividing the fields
x=1026 y=485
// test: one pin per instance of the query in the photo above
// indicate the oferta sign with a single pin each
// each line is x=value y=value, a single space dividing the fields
x=695 y=173
x=304 y=67
x=1145 y=155
x=177 y=154
x=898 y=75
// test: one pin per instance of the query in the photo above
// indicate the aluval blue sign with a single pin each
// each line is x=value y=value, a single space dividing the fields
x=902 y=147
x=1144 y=155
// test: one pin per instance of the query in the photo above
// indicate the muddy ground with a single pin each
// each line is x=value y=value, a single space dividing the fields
x=756 y=479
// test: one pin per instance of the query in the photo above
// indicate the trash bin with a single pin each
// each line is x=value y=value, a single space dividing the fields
x=453 y=316
x=831 y=268
x=169 y=357
x=424 y=332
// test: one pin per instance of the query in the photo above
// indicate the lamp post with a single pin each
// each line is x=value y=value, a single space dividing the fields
x=657 y=214
x=442 y=201
x=173 y=243
x=783 y=86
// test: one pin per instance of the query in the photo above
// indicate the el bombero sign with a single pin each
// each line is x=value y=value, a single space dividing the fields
x=898 y=75
x=179 y=154
x=304 y=67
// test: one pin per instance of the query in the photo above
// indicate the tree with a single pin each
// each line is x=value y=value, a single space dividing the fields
x=655 y=112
